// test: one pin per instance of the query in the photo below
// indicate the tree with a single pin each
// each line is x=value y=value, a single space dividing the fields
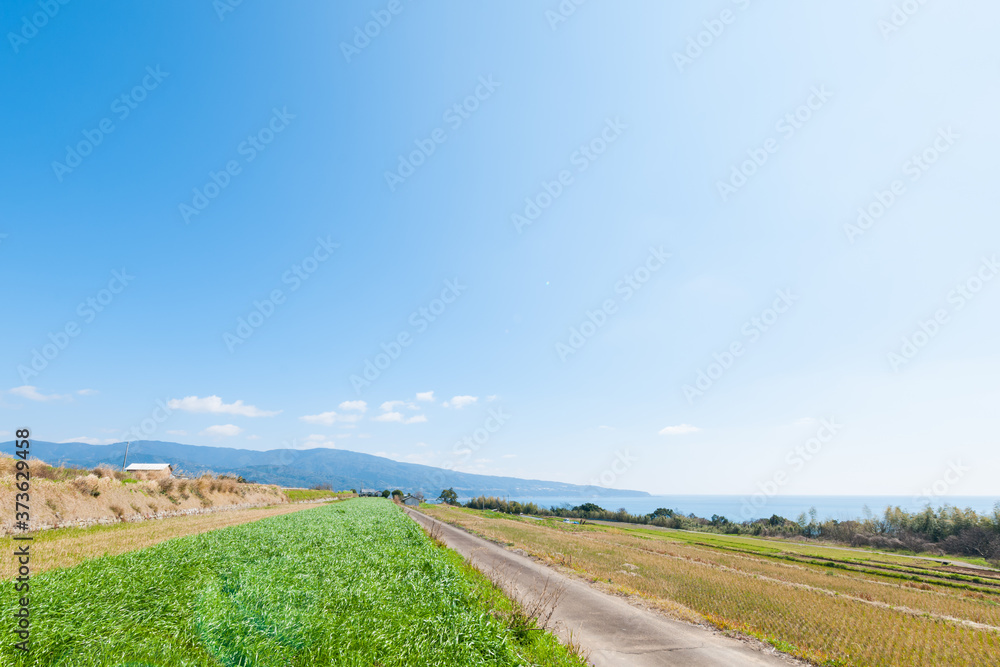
x=588 y=507
x=448 y=496
x=385 y=493
x=661 y=511
x=397 y=495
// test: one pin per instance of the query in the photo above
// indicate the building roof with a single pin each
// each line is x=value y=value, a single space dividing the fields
x=148 y=466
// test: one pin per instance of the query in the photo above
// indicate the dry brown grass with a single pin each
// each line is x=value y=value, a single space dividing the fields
x=66 y=547
x=68 y=496
x=829 y=615
x=530 y=609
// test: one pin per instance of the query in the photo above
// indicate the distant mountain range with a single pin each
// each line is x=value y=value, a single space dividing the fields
x=306 y=467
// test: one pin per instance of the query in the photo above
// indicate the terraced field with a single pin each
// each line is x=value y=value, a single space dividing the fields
x=353 y=583
x=829 y=606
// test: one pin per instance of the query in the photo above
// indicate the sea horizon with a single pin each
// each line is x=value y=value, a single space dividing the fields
x=750 y=507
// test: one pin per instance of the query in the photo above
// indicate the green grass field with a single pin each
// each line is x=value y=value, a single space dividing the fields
x=296 y=495
x=354 y=583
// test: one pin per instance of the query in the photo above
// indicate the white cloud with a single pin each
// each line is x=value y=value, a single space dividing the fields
x=509 y=456
x=329 y=418
x=87 y=392
x=422 y=444
x=805 y=421
x=459 y=402
x=214 y=405
x=322 y=418
x=399 y=417
x=253 y=437
x=492 y=397
x=680 y=429
x=222 y=431
x=4 y=434
x=364 y=435
x=390 y=414
x=91 y=441
x=32 y=394
x=606 y=427
x=389 y=406
x=177 y=432
x=318 y=440
x=360 y=406
x=425 y=395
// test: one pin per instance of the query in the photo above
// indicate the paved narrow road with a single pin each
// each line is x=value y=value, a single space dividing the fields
x=611 y=631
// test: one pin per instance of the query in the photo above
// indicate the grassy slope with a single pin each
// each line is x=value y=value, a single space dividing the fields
x=63 y=496
x=828 y=605
x=355 y=583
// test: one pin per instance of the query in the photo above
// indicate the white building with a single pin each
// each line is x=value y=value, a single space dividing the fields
x=152 y=469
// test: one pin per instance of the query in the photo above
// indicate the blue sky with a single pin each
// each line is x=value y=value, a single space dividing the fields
x=619 y=245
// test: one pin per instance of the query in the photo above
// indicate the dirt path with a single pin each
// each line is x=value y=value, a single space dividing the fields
x=612 y=632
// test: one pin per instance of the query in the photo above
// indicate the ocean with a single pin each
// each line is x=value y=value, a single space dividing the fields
x=742 y=508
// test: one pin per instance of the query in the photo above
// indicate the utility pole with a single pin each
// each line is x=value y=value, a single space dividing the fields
x=126 y=455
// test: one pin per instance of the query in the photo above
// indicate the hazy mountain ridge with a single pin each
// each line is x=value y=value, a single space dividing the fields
x=342 y=469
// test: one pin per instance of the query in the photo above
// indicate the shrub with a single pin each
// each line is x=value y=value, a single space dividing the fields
x=974 y=541
x=914 y=542
x=87 y=485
